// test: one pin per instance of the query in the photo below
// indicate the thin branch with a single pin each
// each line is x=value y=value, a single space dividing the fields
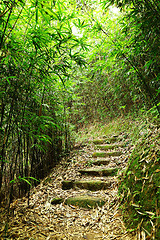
x=1 y=43
x=118 y=46
x=15 y=22
x=4 y=12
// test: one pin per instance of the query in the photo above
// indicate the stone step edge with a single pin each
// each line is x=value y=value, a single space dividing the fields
x=108 y=146
x=107 y=154
x=82 y=201
x=99 y=172
x=106 y=140
x=92 y=185
x=100 y=162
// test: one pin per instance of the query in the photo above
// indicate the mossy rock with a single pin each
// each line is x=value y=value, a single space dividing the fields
x=99 y=141
x=106 y=140
x=101 y=162
x=55 y=201
x=100 y=172
x=93 y=185
x=106 y=154
x=85 y=201
x=115 y=154
x=112 y=139
x=106 y=147
x=68 y=184
x=99 y=154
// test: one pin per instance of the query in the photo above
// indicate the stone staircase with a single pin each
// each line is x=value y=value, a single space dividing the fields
x=107 y=151
x=79 y=199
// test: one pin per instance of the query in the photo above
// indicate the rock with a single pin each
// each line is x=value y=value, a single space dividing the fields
x=68 y=184
x=107 y=139
x=106 y=147
x=101 y=162
x=57 y=200
x=112 y=139
x=85 y=201
x=100 y=172
x=99 y=154
x=99 y=141
x=79 y=145
x=92 y=185
x=106 y=154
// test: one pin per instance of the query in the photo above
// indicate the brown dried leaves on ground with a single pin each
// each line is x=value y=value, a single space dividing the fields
x=42 y=220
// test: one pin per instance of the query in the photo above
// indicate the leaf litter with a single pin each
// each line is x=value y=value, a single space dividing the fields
x=42 y=220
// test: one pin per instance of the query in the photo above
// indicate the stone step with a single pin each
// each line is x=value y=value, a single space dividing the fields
x=85 y=201
x=107 y=154
x=106 y=140
x=99 y=141
x=55 y=201
x=106 y=147
x=99 y=171
x=91 y=185
x=112 y=139
x=101 y=162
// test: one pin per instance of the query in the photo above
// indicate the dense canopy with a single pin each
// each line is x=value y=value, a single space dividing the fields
x=64 y=64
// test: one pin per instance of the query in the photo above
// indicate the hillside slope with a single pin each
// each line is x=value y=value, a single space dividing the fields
x=140 y=186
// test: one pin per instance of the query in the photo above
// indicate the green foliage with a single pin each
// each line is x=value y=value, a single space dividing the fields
x=64 y=64
x=140 y=185
x=122 y=69
x=38 y=55
x=24 y=179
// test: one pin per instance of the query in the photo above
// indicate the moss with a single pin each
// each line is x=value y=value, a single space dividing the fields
x=114 y=154
x=85 y=201
x=57 y=200
x=101 y=162
x=106 y=140
x=140 y=186
x=99 y=154
x=106 y=147
x=99 y=141
x=100 y=172
x=156 y=179
x=112 y=139
x=92 y=185
x=158 y=227
x=106 y=154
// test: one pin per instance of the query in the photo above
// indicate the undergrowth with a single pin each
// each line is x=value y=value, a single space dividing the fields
x=135 y=127
x=140 y=186
x=140 y=183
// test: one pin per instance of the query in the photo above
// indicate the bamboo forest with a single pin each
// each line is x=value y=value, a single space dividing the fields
x=80 y=119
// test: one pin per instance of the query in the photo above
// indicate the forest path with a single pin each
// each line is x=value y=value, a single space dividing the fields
x=43 y=220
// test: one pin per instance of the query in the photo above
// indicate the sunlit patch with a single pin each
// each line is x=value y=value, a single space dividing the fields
x=114 y=10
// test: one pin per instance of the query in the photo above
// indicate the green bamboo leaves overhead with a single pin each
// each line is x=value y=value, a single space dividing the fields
x=38 y=55
x=123 y=63
x=143 y=50
x=66 y=63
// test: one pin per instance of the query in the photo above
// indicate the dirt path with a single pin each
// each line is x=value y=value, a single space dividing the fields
x=43 y=220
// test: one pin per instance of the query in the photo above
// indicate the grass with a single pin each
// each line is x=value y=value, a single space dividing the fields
x=134 y=127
